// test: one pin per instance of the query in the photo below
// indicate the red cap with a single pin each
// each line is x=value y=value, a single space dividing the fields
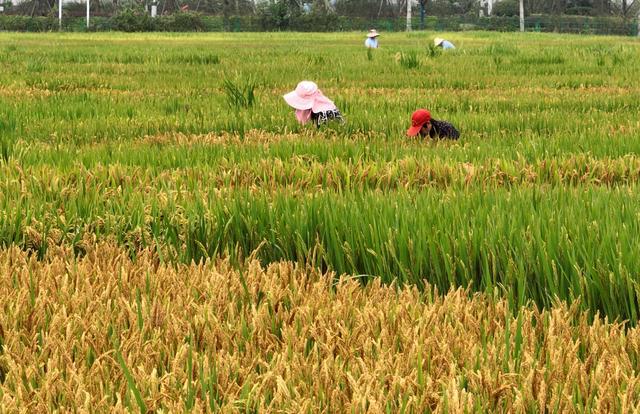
x=418 y=119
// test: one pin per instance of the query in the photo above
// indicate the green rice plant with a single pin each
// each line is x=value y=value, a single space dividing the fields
x=191 y=391
x=131 y=383
x=317 y=60
x=194 y=59
x=36 y=65
x=433 y=51
x=6 y=147
x=500 y=49
x=409 y=60
x=240 y=95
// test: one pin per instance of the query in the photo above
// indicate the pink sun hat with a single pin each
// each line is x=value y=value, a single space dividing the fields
x=308 y=96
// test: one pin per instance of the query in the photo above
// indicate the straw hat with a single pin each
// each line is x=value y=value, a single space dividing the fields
x=373 y=33
x=437 y=41
x=308 y=96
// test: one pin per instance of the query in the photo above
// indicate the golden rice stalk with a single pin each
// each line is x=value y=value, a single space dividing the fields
x=287 y=339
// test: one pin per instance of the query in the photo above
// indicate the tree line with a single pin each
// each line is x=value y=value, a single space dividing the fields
x=365 y=9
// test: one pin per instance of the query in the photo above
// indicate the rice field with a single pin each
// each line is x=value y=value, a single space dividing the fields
x=172 y=240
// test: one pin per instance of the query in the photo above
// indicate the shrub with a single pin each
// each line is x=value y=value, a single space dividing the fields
x=181 y=22
x=506 y=8
x=28 y=24
x=132 y=20
x=273 y=15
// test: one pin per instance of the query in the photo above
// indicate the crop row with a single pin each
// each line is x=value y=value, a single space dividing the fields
x=107 y=334
x=45 y=184
x=90 y=88
x=93 y=116
x=531 y=243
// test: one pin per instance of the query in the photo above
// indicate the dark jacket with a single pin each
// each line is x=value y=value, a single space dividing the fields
x=442 y=130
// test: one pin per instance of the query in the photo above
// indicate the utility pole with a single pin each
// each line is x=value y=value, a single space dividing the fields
x=88 y=10
x=408 y=15
x=60 y=14
x=522 y=15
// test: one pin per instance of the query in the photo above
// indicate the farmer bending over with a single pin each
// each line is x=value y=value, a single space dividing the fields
x=421 y=123
x=311 y=105
x=444 y=44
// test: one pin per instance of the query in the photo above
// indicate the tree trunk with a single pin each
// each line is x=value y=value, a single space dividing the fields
x=522 y=15
x=380 y=8
x=408 y=15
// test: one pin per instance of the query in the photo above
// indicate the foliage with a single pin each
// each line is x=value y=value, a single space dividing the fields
x=276 y=17
x=507 y=8
x=433 y=50
x=28 y=24
x=182 y=22
x=409 y=60
x=240 y=95
x=132 y=20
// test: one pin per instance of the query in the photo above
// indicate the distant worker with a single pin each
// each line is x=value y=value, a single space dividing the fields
x=422 y=124
x=445 y=44
x=372 y=39
x=311 y=105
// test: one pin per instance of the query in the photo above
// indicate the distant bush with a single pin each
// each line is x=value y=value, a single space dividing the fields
x=138 y=21
x=315 y=22
x=181 y=22
x=28 y=24
x=130 y=20
x=274 y=17
x=507 y=8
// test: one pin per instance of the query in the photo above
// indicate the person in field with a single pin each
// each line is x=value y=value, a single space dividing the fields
x=422 y=124
x=311 y=105
x=444 y=44
x=372 y=39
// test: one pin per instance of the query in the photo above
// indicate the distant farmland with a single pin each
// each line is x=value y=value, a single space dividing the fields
x=171 y=239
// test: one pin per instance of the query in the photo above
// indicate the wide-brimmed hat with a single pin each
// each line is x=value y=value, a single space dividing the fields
x=308 y=96
x=373 y=33
x=418 y=119
x=437 y=41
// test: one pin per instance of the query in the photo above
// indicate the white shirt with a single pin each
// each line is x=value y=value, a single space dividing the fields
x=447 y=45
x=371 y=42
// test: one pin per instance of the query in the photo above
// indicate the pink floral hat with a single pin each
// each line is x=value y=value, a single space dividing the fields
x=308 y=96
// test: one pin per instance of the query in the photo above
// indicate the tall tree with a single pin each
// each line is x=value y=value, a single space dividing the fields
x=626 y=8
